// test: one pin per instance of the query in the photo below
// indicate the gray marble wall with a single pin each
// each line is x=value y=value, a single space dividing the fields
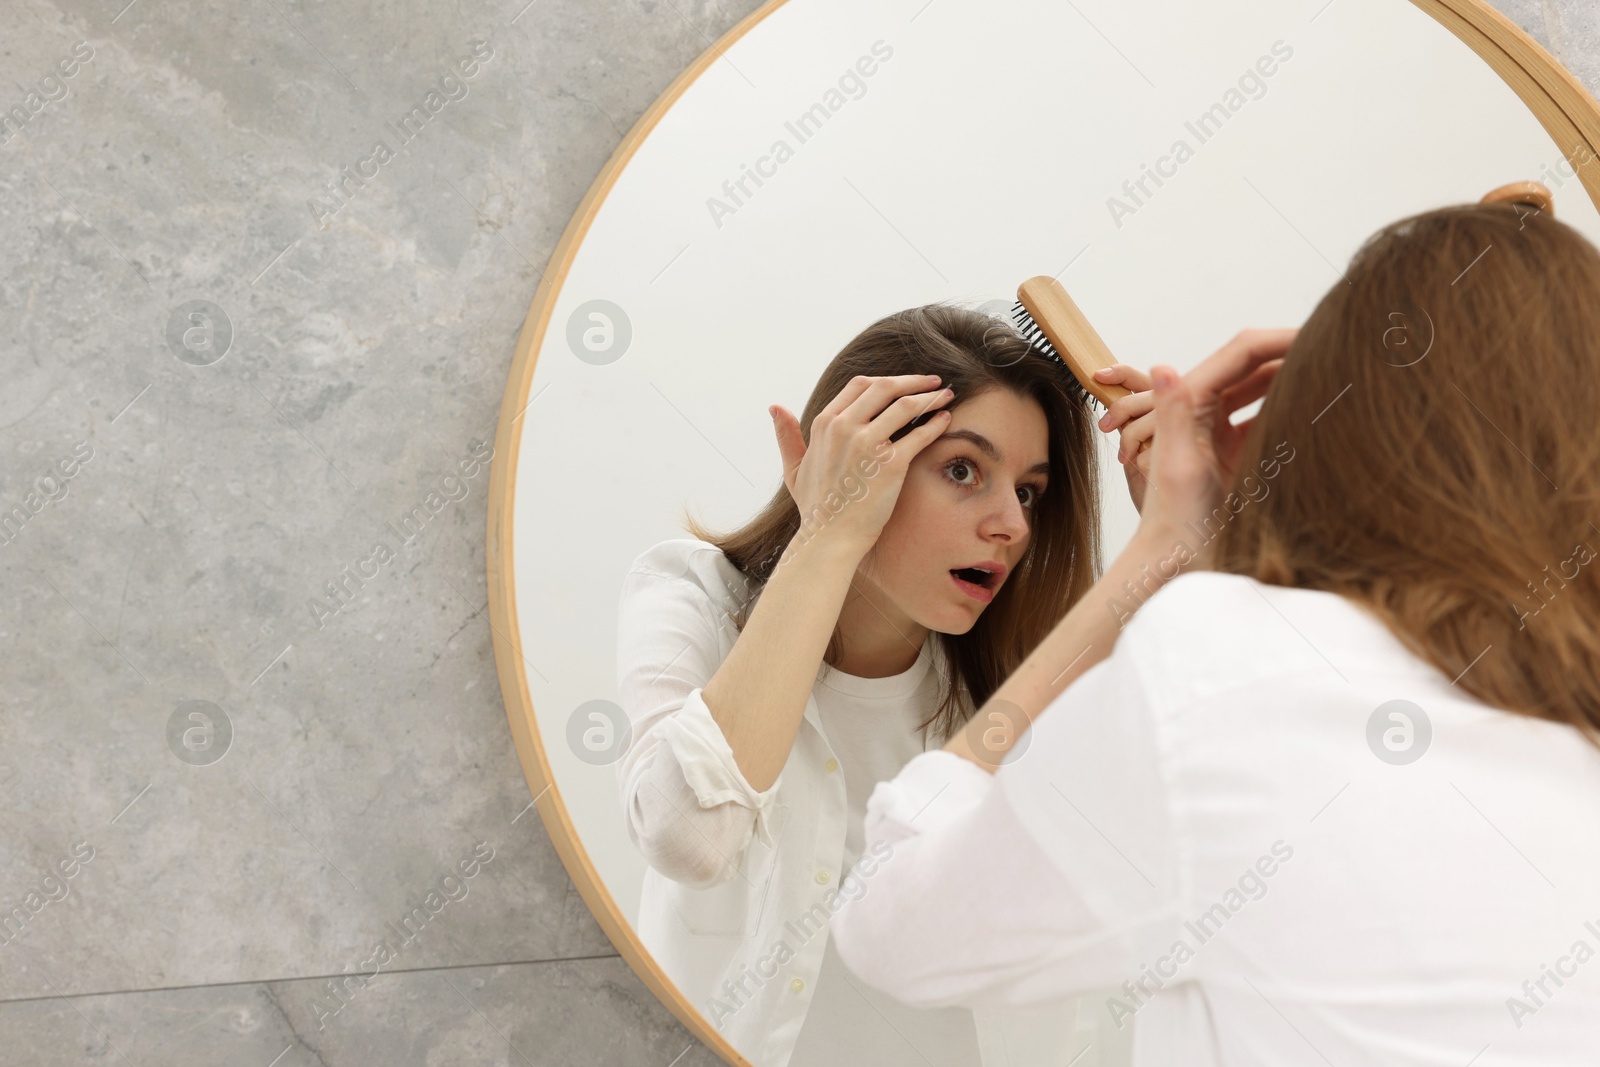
x=190 y=496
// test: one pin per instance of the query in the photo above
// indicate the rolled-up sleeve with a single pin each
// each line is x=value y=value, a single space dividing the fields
x=689 y=809
x=1053 y=877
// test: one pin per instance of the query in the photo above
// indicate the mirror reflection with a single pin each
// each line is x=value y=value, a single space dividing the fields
x=758 y=571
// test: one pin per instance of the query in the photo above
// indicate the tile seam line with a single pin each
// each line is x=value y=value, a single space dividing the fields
x=304 y=978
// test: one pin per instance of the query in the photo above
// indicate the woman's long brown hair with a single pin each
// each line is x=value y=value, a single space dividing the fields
x=1441 y=406
x=972 y=352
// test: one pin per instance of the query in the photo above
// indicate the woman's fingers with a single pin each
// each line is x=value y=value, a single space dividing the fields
x=1180 y=424
x=927 y=433
x=1133 y=436
x=906 y=410
x=1128 y=407
x=861 y=422
x=1237 y=374
x=880 y=388
x=1124 y=375
x=881 y=393
x=1252 y=388
x=1191 y=430
x=1236 y=361
x=1144 y=461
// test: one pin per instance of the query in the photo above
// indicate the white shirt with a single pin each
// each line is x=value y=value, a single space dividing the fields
x=733 y=872
x=873 y=724
x=1202 y=816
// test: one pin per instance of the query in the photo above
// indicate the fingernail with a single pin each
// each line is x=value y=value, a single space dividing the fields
x=1103 y=372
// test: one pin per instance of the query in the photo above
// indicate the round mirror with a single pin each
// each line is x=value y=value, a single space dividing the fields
x=1184 y=170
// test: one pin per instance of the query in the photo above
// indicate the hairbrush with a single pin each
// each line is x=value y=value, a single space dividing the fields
x=1054 y=327
x=1057 y=329
x=1053 y=324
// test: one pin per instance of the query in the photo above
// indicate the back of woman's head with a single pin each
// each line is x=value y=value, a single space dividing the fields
x=1428 y=448
x=972 y=352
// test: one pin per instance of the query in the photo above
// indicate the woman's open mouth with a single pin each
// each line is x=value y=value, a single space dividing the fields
x=977 y=583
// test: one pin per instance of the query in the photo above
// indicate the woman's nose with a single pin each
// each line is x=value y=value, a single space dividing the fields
x=1012 y=517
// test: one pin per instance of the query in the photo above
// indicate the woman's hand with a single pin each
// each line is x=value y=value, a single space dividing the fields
x=850 y=456
x=1196 y=446
x=1134 y=413
x=1194 y=450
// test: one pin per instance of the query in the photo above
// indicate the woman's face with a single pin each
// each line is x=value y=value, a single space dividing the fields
x=969 y=499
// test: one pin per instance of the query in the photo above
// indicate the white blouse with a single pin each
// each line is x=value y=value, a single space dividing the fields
x=742 y=885
x=1231 y=826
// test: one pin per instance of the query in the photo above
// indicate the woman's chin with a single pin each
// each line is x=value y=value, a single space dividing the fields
x=959 y=621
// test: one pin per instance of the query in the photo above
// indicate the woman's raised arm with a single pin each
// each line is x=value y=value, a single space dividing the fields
x=758 y=695
x=1191 y=419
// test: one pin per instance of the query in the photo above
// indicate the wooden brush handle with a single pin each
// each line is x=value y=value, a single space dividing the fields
x=1067 y=328
x=1532 y=194
x=1075 y=341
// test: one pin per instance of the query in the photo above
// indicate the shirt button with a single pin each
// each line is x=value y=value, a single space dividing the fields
x=797 y=985
x=822 y=877
x=831 y=766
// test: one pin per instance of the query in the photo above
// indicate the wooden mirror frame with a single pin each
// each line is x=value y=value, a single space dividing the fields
x=1557 y=99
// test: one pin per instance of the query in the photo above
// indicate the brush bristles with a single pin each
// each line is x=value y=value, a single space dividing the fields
x=1035 y=336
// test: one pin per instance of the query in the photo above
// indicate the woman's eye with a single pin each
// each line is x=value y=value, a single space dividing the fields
x=955 y=465
x=957 y=469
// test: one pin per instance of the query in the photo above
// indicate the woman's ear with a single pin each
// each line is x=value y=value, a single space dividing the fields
x=791 y=445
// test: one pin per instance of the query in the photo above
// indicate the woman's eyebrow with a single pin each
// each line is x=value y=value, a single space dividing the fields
x=986 y=446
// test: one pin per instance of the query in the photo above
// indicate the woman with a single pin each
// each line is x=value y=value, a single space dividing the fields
x=940 y=511
x=1334 y=797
